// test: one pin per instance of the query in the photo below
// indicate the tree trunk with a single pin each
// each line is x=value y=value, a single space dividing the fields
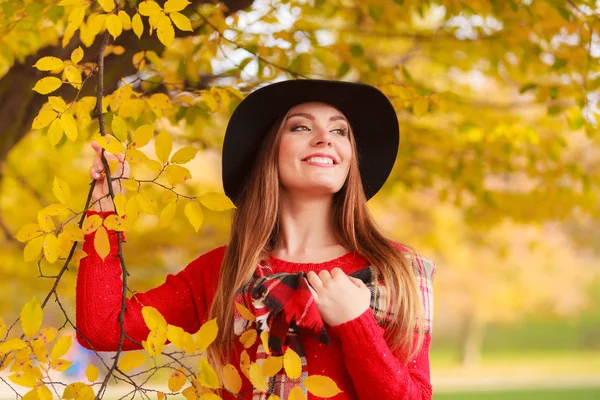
x=19 y=105
x=472 y=340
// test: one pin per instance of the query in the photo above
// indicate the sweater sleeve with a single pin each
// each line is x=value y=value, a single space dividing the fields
x=99 y=299
x=382 y=375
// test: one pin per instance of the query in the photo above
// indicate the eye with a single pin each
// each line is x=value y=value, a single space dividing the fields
x=295 y=127
x=341 y=131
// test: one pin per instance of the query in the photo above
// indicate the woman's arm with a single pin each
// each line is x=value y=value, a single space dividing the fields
x=183 y=299
x=378 y=373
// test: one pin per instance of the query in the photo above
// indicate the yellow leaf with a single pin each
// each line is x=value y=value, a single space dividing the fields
x=101 y=243
x=91 y=223
x=31 y=317
x=33 y=249
x=114 y=25
x=160 y=396
x=177 y=380
x=168 y=196
x=70 y=126
x=57 y=103
x=61 y=347
x=73 y=232
x=292 y=364
x=125 y=21
x=61 y=191
x=264 y=338
x=296 y=394
x=175 y=5
x=137 y=25
x=182 y=22
x=73 y=75
x=47 y=334
x=207 y=334
x=272 y=365
x=210 y=101
x=12 y=344
x=55 y=132
x=78 y=391
x=248 y=338
x=207 y=375
x=258 y=380
x=51 y=248
x=40 y=351
x=190 y=393
x=153 y=318
x=184 y=155
x=245 y=363
x=96 y=23
x=167 y=214
x=27 y=233
x=156 y=341
x=47 y=85
x=119 y=128
x=216 y=201
x=24 y=379
x=120 y=203
x=163 y=146
x=129 y=184
x=321 y=386
x=148 y=8
x=134 y=156
x=60 y=364
x=176 y=174
x=273 y=397
x=109 y=144
x=91 y=373
x=2 y=327
x=165 y=31
x=194 y=214
x=131 y=360
x=43 y=119
x=49 y=64
x=77 y=55
x=44 y=393
x=146 y=204
x=142 y=136
x=421 y=106
x=107 y=5
x=175 y=335
x=115 y=223
x=231 y=379
x=188 y=344
x=65 y=244
x=244 y=312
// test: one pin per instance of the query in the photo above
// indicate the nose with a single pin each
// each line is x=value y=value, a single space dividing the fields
x=322 y=138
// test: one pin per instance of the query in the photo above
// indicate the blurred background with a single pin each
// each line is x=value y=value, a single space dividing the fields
x=497 y=178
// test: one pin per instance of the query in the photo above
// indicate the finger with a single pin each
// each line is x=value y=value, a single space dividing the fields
x=94 y=174
x=357 y=282
x=98 y=166
x=337 y=272
x=314 y=280
x=97 y=148
x=325 y=276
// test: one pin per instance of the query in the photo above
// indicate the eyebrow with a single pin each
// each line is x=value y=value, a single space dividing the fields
x=311 y=117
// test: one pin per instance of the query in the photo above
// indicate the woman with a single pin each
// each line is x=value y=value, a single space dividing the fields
x=300 y=160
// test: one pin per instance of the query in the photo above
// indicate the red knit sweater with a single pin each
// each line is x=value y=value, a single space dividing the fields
x=358 y=358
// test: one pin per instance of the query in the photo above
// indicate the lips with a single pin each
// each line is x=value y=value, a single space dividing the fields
x=322 y=155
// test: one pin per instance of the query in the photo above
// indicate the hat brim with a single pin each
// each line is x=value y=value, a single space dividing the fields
x=369 y=111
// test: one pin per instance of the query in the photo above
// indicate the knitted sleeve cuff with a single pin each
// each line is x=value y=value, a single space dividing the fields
x=363 y=328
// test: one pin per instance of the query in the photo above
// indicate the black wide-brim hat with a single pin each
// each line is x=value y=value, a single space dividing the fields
x=371 y=115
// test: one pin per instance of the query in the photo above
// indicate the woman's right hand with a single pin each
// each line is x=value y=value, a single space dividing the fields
x=97 y=172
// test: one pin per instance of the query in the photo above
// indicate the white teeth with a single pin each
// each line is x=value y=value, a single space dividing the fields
x=320 y=160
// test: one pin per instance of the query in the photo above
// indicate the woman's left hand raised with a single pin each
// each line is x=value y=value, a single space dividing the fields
x=340 y=298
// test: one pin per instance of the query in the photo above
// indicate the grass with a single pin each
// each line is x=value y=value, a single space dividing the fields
x=547 y=394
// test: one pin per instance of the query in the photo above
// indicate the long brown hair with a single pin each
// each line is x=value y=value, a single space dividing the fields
x=254 y=231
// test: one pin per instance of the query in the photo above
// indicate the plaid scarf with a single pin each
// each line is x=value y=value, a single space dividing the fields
x=284 y=306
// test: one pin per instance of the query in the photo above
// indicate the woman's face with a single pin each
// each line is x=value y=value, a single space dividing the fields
x=315 y=149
